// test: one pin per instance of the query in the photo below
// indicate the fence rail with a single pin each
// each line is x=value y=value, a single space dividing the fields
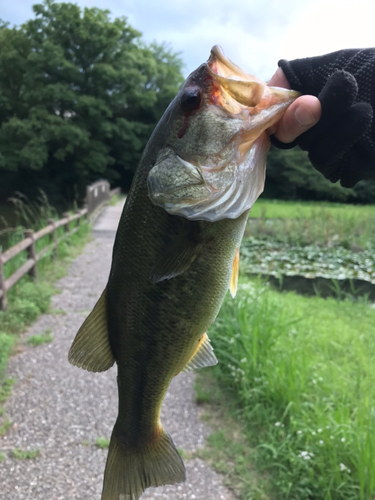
x=97 y=196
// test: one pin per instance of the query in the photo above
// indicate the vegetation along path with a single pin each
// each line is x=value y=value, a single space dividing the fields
x=57 y=412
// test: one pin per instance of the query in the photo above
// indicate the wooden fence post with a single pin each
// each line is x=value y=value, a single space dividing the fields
x=88 y=203
x=78 y=221
x=3 y=292
x=31 y=253
x=67 y=225
x=52 y=237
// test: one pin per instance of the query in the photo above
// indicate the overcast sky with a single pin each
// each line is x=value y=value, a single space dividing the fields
x=255 y=34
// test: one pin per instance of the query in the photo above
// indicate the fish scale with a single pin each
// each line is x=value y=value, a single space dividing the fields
x=174 y=254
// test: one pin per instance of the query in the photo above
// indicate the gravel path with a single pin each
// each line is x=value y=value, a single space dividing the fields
x=61 y=410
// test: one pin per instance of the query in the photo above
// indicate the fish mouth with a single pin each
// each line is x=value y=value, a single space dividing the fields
x=232 y=82
x=244 y=88
x=241 y=94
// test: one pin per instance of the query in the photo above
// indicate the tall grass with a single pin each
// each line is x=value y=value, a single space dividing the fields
x=34 y=215
x=28 y=299
x=302 y=371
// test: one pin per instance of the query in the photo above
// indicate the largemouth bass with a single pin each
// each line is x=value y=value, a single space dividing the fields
x=175 y=255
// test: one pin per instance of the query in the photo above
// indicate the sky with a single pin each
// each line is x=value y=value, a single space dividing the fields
x=255 y=34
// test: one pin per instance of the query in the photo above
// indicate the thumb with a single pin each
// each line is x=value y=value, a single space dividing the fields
x=298 y=118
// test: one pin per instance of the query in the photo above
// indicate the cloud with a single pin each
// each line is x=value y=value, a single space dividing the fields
x=255 y=34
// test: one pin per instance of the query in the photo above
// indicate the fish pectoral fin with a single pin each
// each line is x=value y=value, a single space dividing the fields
x=203 y=355
x=178 y=258
x=91 y=349
x=234 y=277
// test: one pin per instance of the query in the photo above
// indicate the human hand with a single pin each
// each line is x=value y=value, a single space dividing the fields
x=301 y=115
x=342 y=144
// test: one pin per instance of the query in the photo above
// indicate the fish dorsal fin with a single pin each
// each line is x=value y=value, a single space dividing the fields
x=203 y=355
x=177 y=258
x=91 y=349
x=234 y=277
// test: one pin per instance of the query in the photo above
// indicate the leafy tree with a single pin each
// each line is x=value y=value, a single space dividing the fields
x=290 y=175
x=80 y=94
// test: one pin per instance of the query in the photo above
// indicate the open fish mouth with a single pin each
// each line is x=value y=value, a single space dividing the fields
x=214 y=166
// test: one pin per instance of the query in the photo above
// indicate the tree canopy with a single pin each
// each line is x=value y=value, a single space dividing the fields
x=79 y=96
x=291 y=176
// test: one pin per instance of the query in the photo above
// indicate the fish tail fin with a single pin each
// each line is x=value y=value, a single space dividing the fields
x=130 y=470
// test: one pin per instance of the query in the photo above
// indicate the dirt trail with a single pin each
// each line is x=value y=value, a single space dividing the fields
x=61 y=410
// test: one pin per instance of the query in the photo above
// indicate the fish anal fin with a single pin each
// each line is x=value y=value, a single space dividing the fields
x=202 y=356
x=234 y=277
x=91 y=349
x=131 y=469
x=177 y=258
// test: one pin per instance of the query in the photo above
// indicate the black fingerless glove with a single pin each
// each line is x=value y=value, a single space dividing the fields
x=342 y=144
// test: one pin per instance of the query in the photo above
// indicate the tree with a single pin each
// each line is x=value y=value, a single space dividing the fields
x=291 y=176
x=80 y=94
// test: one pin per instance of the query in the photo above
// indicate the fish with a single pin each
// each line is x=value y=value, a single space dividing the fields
x=176 y=253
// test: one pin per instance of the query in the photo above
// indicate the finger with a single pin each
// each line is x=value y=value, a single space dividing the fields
x=299 y=117
x=331 y=146
x=279 y=80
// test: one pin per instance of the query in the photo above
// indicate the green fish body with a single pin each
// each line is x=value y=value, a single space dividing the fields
x=173 y=256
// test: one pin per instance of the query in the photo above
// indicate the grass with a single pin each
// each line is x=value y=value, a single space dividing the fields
x=4 y=427
x=265 y=208
x=227 y=449
x=116 y=198
x=43 y=338
x=301 y=370
x=57 y=312
x=20 y=454
x=102 y=442
x=6 y=345
x=308 y=223
x=6 y=389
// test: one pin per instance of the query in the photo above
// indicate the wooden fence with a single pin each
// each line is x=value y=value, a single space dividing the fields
x=97 y=196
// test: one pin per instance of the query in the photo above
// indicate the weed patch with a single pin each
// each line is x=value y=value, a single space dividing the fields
x=6 y=389
x=19 y=454
x=43 y=338
x=184 y=454
x=57 y=312
x=102 y=442
x=6 y=344
x=4 y=427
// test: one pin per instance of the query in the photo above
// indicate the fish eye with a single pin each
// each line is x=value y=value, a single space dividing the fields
x=190 y=100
